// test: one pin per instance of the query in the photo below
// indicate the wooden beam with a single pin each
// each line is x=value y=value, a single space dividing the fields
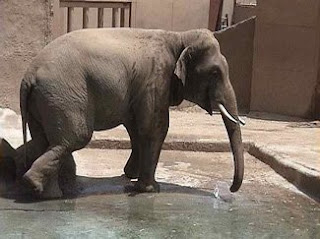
x=94 y=4
x=85 y=17
x=121 y=11
x=122 y=17
x=115 y=17
x=121 y=1
x=130 y=14
x=126 y=17
x=69 y=19
x=100 y=17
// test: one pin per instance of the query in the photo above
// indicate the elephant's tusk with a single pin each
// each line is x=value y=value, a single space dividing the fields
x=224 y=111
x=241 y=121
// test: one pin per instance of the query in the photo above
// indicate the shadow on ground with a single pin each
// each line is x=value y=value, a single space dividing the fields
x=102 y=208
x=87 y=186
x=273 y=117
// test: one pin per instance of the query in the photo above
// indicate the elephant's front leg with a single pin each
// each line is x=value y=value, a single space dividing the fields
x=150 y=142
x=131 y=169
x=67 y=176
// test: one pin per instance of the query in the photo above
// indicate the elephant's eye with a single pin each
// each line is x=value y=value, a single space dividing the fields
x=199 y=70
x=214 y=73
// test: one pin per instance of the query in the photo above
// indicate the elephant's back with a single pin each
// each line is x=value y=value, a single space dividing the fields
x=108 y=40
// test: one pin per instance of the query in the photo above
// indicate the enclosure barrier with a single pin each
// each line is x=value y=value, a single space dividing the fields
x=119 y=10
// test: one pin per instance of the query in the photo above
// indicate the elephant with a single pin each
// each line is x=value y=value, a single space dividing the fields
x=96 y=79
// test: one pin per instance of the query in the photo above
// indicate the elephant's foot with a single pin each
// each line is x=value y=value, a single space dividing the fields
x=52 y=189
x=33 y=181
x=131 y=169
x=49 y=191
x=68 y=185
x=67 y=178
x=146 y=187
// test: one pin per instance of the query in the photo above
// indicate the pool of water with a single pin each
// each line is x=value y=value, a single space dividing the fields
x=194 y=202
x=164 y=215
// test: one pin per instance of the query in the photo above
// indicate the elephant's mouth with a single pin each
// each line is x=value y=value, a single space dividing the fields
x=233 y=119
x=205 y=103
x=209 y=108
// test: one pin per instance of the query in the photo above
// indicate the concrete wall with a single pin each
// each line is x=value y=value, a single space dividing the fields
x=177 y=15
x=24 y=30
x=286 y=57
x=236 y=44
x=243 y=12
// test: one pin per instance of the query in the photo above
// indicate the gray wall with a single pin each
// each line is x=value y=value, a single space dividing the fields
x=286 y=57
x=175 y=15
x=236 y=44
x=243 y=12
x=24 y=31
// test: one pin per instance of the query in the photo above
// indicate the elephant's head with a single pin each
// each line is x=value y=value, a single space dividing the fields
x=204 y=74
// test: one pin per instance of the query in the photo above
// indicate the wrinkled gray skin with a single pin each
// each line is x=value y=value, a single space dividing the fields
x=97 y=79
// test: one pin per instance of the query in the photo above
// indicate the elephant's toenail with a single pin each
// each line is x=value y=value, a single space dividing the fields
x=149 y=188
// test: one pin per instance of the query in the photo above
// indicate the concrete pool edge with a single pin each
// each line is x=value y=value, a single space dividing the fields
x=305 y=179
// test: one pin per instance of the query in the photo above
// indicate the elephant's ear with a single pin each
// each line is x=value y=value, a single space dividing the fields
x=189 y=55
x=182 y=63
x=176 y=91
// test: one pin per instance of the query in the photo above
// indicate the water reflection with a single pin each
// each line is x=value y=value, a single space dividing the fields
x=103 y=209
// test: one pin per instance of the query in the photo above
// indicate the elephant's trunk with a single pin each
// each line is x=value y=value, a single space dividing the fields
x=234 y=133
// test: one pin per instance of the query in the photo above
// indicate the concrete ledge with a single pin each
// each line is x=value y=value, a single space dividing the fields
x=307 y=180
x=167 y=145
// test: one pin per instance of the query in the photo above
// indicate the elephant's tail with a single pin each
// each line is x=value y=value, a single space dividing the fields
x=25 y=89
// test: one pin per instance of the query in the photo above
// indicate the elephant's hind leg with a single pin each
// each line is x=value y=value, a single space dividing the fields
x=53 y=174
x=35 y=147
x=45 y=171
x=56 y=165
